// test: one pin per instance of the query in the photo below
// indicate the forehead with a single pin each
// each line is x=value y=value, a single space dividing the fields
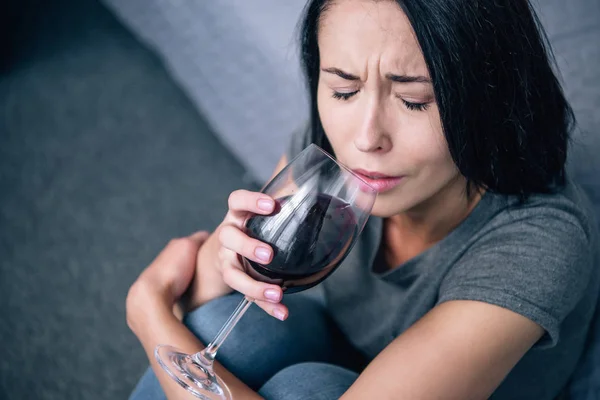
x=351 y=30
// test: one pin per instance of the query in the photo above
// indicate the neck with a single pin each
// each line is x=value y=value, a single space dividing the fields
x=432 y=220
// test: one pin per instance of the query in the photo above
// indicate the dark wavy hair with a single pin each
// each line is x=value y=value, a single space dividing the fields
x=503 y=112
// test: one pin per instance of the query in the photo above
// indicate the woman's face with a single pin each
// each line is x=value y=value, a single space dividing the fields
x=377 y=105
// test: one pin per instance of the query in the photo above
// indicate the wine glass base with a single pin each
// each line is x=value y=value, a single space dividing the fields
x=195 y=377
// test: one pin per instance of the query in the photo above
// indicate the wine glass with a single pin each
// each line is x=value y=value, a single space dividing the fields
x=321 y=208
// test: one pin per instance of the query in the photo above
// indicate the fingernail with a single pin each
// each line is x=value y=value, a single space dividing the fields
x=262 y=254
x=280 y=315
x=273 y=294
x=265 y=205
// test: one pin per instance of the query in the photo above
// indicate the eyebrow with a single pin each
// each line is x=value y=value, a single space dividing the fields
x=392 y=77
x=341 y=74
x=407 y=78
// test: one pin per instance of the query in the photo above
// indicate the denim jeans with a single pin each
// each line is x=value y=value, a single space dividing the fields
x=304 y=357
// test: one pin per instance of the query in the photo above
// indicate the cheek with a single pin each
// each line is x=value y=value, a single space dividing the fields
x=430 y=150
x=336 y=118
x=424 y=142
x=327 y=112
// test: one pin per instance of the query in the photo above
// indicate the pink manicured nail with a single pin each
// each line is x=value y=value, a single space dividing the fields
x=273 y=294
x=266 y=205
x=262 y=253
x=280 y=315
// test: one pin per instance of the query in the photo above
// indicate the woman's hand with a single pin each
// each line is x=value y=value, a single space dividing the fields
x=166 y=279
x=233 y=243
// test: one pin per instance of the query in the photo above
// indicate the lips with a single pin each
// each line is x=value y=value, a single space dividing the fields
x=380 y=182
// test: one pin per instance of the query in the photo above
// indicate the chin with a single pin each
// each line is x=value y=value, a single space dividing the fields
x=383 y=210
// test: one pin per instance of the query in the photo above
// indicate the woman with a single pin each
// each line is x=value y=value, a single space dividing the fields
x=475 y=277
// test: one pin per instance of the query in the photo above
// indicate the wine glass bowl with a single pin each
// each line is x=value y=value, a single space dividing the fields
x=309 y=237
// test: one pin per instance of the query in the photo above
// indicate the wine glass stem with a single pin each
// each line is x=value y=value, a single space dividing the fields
x=210 y=352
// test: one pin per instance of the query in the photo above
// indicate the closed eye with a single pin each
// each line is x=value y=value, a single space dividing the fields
x=343 y=95
x=415 y=106
x=410 y=105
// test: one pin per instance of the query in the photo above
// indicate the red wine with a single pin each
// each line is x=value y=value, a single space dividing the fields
x=310 y=237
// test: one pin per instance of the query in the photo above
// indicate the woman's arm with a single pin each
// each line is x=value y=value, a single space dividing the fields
x=459 y=350
x=155 y=324
x=150 y=314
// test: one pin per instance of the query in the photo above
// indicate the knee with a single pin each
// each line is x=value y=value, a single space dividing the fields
x=260 y=345
x=307 y=327
x=317 y=381
x=206 y=320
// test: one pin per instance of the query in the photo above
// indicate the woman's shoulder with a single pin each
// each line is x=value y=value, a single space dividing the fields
x=567 y=212
x=555 y=234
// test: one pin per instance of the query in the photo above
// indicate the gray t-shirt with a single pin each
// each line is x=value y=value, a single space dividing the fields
x=539 y=259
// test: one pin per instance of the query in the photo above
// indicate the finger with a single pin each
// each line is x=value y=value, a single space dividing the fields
x=199 y=237
x=178 y=251
x=279 y=311
x=243 y=201
x=240 y=281
x=174 y=267
x=237 y=241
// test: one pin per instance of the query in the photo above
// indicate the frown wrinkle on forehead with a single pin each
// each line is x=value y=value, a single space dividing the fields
x=366 y=37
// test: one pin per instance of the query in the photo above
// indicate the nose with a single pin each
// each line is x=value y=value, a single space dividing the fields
x=371 y=136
